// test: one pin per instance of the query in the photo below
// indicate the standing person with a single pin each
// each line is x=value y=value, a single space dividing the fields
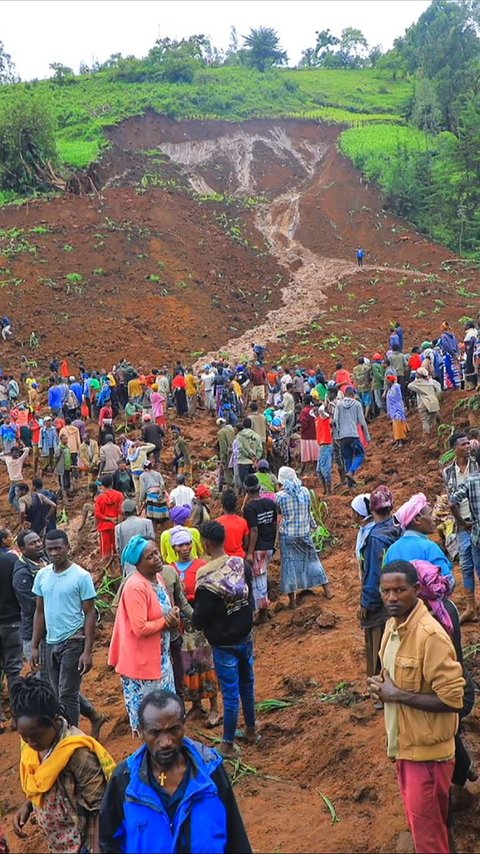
x=10 y=624
x=362 y=377
x=70 y=629
x=159 y=406
x=469 y=490
x=360 y=257
x=223 y=610
x=448 y=345
x=308 y=436
x=225 y=437
x=35 y=427
x=455 y=475
x=63 y=466
x=199 y=680
x=181 y=494
x=208 y=378
x=152 y=494
x=236 y=527
x=250 y=450
x=131 y=526
x=399 y=363
x=348 y=418
x=89 y=457
x=8 y=434
x=182 y=462
x=416 y=521
x=153 y=434
x=396 y=410
x=378 y=381
x=110 y=455
x=177 y=597
x=324 y=434
x=137 y=454
x=260 y=515
x=429 y=395
x=201 y=508
x=140 y=644
x=381 y=535
x=362 y=516
x=179 y=393
x=48 y=442
x=14 y=461
x=300 y=566
x=192 y=389
x=171 y=789
x=123 y=480
x=259 y=424
x=25 y=569
x=72 y=434
x=258 y=379
x=36 y=510
x=108 y=513
x=62 y=771
x=422 y=703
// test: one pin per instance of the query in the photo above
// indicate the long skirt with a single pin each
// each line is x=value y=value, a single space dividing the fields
x=400 y=430
x=199 y=678
x=134 y=690
x=180 y=398
x=261 y=560
x=300 y=567
x=308 y=450
x=156 y=507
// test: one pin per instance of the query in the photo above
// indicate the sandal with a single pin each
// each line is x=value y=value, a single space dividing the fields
x=241 y=735
x=212 y=724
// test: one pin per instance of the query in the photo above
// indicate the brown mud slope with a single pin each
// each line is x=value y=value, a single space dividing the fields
x=316 y=213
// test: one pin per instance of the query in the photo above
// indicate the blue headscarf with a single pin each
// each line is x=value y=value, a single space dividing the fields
x=133 y=552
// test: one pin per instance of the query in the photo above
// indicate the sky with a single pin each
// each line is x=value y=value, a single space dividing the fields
x=38 y=32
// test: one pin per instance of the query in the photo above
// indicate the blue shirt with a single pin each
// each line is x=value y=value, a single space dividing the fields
x=63 y=594
x=55 y=397
x=77 y=389
x=415 y=546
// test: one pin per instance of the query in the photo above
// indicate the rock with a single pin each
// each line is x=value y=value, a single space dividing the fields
x=326 y=620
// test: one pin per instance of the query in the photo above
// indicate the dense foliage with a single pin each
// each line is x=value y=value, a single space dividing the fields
x=27 y=144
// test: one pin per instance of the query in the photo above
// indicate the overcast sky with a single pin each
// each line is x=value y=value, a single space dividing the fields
x=38 y=32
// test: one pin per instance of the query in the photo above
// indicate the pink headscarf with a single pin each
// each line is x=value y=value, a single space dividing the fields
x=434 y=588
x=407 y=512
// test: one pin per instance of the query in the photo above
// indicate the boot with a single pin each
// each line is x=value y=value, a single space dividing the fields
x=470 y=613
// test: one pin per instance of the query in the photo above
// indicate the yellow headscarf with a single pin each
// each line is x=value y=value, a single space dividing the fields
x=37 y=777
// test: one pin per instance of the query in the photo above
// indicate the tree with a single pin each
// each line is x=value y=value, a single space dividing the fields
x=316 y=56
x=374 y=55
x=62 y=74
x=262 y=49
x=28 y=151
x=352 y=47
x=426 y=109
x=7 y=67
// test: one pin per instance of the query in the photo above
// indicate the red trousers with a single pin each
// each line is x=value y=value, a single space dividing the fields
x=425 y=789
x=107 y=543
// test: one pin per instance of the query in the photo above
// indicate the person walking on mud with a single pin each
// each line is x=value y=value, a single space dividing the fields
x=360 y=257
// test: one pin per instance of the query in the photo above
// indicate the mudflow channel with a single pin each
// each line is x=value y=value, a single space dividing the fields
x=239 y=152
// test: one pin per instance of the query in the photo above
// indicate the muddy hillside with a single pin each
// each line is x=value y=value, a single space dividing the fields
x=207 y=236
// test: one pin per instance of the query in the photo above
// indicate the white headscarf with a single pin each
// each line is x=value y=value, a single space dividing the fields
x=288 y=474
x=359 y=505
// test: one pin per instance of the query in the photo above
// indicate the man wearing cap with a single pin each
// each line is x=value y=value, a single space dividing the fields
x=429 y=394
x=382 y=534
x=48 y=442
x=225 y=437
x=131 y=526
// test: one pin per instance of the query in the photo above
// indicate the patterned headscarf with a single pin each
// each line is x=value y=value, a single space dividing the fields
x=413 y=507
x=434 y=588
x=381 y=498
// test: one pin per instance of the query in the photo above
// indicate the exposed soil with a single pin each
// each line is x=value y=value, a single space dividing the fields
x=306 y=236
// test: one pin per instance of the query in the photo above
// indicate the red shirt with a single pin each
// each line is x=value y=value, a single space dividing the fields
x=35 y=428
x=108 y=503
x=415 y=361
x=189 y=577
x=307 y=424
x=235 y=529
x=323 y=427
x=258 y=376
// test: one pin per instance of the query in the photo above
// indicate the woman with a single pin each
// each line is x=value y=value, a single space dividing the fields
x=300 y=567
x=236 y=527
x=449 y=346
x=201 y=510
x=362 y=515
x=416 y=521
x=268 y=482
x=152 y=494
x=179 y=516
x=7 y=542
x=396 y=410
x=179 y=393
x=140 y=645
x=159 y=404
x=105 y=423
x=199 y=680
x=62 y=771
x=308 y=436
x=182 y=462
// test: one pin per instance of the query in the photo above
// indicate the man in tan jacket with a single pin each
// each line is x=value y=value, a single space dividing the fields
x=421 y=685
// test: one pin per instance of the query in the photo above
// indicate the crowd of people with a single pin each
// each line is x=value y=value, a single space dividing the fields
x=194 y=579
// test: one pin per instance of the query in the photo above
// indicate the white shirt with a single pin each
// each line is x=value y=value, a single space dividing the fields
x=182 y=495
x=208 y=380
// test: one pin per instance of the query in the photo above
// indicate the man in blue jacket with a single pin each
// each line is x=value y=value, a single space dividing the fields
x=171 y=795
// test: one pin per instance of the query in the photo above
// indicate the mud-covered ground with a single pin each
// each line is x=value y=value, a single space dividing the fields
x=223 y=270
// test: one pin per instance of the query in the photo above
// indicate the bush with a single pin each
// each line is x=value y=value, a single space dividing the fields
x=27 y=144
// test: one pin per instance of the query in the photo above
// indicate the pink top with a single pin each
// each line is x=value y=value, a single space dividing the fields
x=158 y=401
x=136 y=645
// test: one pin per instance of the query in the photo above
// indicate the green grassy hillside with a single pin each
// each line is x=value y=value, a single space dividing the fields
x=85 y=105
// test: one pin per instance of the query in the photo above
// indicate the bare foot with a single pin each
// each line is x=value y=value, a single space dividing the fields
x=97 y=722
x=227 y=750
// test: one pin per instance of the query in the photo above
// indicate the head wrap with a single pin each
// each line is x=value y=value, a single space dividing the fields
x=72 y=379
x=133 y=552
x=221 y=421
x=377 y=357
x=426 y=345
x=288 y=475
x=179 y=536
x=434 y=588
x=147 y=417
x=381 y=498
x=410 y=509
x=179 y=515
x=390 y=376
x=251 y=483
x=263 y=465
x=422 y=372
x=203 y=491
x=445 y=325
x=359 y=504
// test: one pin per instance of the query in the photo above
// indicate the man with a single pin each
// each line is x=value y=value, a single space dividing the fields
x=259 y=424
x=323 y=429
x=382 y=534
x=89 y=457
x=10 y=625
x=38 y=489
x=63 y=466
x=208 y=379
x=360 y=257
x=192 y=392
x=250 y=449
x=48 y=443
x=8 y=434
x=14 y=462
x=70 y=629
x=469 y=490
x=348 y=417
x=72 y=434
x=399 y=363
x=123 y=480
x=378 y=381
x=181 y=494
x=429 y=394
x=36 y=510
x=55 y=399
x=455 y=475
x=172 y=794
x=225 y=436
x=153 y=434
x=362 y=377
x=182 y=462
x=35 y=427
x=110 y=455
x=289 y=407
x=131 y=526
x=108 y=513
x=26 y=567
x=422 y=689
x=258 y=377
x=261 y=516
